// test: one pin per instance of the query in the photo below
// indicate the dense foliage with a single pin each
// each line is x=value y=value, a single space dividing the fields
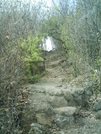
x=31 y=53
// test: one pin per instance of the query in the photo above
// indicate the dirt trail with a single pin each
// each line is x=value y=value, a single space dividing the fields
x=54 y=67
x=56 y=108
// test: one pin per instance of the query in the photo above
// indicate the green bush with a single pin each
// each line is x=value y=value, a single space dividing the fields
x=31 y=52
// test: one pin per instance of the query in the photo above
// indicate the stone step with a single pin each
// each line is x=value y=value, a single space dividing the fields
x=57 y=101
x=66 y=111
x=58 y=96
x=62 y=117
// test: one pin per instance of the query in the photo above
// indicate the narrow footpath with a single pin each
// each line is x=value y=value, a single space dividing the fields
x=55 y=107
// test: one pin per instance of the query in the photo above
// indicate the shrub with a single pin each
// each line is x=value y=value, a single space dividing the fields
x=31 y=53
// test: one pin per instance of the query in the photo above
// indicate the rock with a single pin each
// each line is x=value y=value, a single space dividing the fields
x=79 y=96
x=78 y=91
x=42 y=107
x=38 y=129
x=98 y=115
x=63 y=122
x=88 y=86
x=97 y=105
x=67 y=111
x=27 y=118
x=69 y=97
x=37 y=97
x=57 y=101
x=43 y=119
x=29 y=113
x=40 y=103
x=54 y=92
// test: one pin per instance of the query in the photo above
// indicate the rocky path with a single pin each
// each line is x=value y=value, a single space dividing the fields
x=54 y=107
